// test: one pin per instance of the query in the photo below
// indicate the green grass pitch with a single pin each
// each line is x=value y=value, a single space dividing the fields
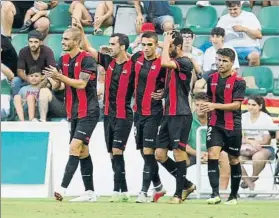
x=49 y=208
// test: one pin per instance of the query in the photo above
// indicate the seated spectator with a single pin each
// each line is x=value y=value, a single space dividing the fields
x=51 y=100
x=93 y=13
x=6 y=77
x=35 y=13
x=209 y=59
x=243 y=31
x=8 y=54
x=157 y=12
x=34 y=54
x=194 y=54
x=200 y=119
x=255 y=143
x=26 y=101
x=276 y=174
x=265 y=3
x=13 y=12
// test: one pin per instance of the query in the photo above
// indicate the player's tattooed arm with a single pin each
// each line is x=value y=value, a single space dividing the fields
x=84 y=76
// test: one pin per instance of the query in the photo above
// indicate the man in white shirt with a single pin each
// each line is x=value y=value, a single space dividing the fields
x=209 y=60
x=243 y=31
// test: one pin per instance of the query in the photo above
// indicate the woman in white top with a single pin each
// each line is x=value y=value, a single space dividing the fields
x=255 y=143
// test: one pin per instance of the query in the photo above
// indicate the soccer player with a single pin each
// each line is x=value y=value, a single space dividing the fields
x=149 y=84
x=79 y=75
x=177 y=119
x=118 y=114
x=226 y=91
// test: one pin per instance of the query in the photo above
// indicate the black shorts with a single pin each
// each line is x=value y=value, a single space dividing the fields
x=117 y=132
x=146 y=130
x=229 y=140
x=56 y=108
x=83 y=128
x=174 y=132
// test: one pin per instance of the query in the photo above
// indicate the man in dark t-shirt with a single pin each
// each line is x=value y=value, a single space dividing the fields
x=177 y=119
x=80 y=78
x=225 y=91
x=34 y=54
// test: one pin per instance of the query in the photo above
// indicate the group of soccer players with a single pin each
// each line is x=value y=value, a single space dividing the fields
x=148 y=78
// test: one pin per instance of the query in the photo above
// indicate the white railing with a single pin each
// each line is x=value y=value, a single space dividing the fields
x=199 y=190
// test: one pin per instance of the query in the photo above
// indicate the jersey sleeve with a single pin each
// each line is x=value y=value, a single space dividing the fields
x=239 y=90
x=88 y=65
x=184 y=66
x=209 y=92
x=104 y=60
x=135 y=56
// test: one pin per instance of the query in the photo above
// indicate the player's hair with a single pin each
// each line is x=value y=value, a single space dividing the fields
x=123 y=39
x=187 y=31
x=200 y=96
x=150 y=35
x=227 y=52
x=178 y=40
x=34 y=69
x=233 y=3
x=218 y=31
x=76 y=33
x=260 y=101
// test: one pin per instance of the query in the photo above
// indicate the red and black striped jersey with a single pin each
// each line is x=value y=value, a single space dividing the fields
x=80 y=102
x=119 y=87
x=149 y=77
x=225 y=91
x=177 y=88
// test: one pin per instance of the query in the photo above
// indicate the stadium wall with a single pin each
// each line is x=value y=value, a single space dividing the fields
x=34 y=156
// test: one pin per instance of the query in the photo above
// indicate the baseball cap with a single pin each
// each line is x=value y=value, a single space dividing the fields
x=147 y=27
x=35 y=34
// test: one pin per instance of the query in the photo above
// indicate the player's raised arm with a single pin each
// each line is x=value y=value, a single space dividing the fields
x=166 y=60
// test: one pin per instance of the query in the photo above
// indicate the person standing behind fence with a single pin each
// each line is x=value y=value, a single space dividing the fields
x=226 y=92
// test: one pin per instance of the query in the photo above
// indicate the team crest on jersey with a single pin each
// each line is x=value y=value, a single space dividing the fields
x=124 y=71
x=66 y=65
x=214 y=84
x=228 y=86
x=76 y=64
x=153 y=67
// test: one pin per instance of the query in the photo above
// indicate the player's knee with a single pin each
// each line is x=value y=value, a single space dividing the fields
x=117 y=151
x=148 y=151
x=179 y=155
x=161 y=156
x=212 y=154
x=233 y=160
x=76 y=147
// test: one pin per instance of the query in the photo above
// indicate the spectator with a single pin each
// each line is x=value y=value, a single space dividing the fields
x=136 y=45
x=34 y=54
x=13 y=12
x=276 y=174
x=83 y=12
x=158 y=13
x=33 y=14
x=265 y=3
x=243 y=31
x=193 y=53
x=255 y=143
x=51 y=100
x=8 y=54
x=26 y=100
x=200 y=119
x=209 y=60
x=6 y=77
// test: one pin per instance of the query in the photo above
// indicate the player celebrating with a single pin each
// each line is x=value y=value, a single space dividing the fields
x=118 y=114
x=149 y=84
x=226 y=92
x=177 y=119
x=79 y=75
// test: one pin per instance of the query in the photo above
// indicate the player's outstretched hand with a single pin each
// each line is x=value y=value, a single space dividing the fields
x=207 y=107
x=158 y=95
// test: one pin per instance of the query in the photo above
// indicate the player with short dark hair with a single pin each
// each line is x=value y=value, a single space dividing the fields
x=79 y=76
x=225 y=91
x=118 y=114
x=148 y=108
x=177 y=119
